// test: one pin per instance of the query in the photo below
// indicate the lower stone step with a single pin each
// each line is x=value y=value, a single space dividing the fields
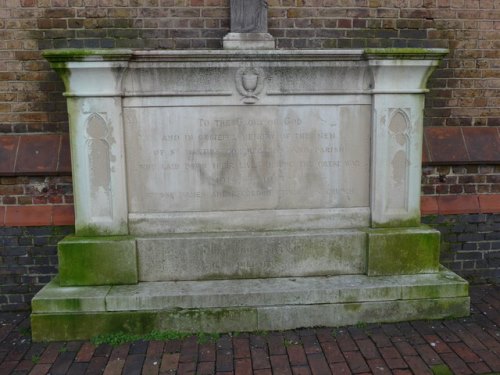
x=64 y=313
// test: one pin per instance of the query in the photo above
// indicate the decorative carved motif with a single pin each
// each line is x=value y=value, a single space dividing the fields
x=249 y=83
x=399 y=127
x=98 y=165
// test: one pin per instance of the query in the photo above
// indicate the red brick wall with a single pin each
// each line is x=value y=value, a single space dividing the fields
x=465 y=90
x=462 y=108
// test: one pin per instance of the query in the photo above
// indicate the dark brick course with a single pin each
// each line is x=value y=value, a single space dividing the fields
x=470 y=245
x=28 y=260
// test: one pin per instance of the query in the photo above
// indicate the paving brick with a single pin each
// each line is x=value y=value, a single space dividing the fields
x=491 y=359
x=276 y=345
x=263 y=372
x=38 y=369
x=332 y=352
x=133 y=363
x=455 y=363
x=311 y=344
x=297 y=355
x=51 y=352
x=324 y=334
x=417 y=365
x=241 y=348
x=187 y=368
x=404 y=348
x=317 y=364
x=207 y=352
x=78 y=368
x=243 y=366
x=205 y=368
x=479 y=368
x=467 y=337
x=169 y=362
x=62 y=363
x=428 y=355
x=224 y=360
x=302 y=370
x=380 y=339
x=402 y=372
x=356 y=362
x=378 y=366
x=189 y=351
x=368 y=349
x=437 y=344
x=85 y=353
x=280 y=365
x=340 y=368
x=464 y=352
x=97 y=365
x=345 y=342
x=260 y=359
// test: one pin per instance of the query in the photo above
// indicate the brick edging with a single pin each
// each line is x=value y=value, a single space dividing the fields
x=34 y=154
x=43 y=215
x=460 y=204
x=43 y=154
x=37 y=215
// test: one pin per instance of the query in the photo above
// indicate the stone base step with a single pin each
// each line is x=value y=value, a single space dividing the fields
x=67 y=313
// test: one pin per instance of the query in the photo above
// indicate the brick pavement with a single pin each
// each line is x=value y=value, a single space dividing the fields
x=456 y=346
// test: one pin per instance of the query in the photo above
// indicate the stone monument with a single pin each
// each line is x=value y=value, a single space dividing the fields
x=248 y=26
x=245 y=189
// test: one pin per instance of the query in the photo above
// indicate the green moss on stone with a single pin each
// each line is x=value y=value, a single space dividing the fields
x=352 y=307
x=81 y=326
x=55 y=327
x=411 y=222
x=400 y=251
x=97 y=260
x=407 y=53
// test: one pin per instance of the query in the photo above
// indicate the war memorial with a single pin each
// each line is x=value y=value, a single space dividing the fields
x=244 y=189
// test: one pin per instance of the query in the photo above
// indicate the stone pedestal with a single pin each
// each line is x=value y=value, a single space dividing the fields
x=245 y=190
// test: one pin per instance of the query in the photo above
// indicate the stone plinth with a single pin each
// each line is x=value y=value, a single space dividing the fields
x=214 y=175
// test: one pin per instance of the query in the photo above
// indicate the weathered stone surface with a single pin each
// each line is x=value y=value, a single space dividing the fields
x=276 y=157
x=56 y=298
x=97 y=261
x=396 y=251
x=249 y=305
x=248 y=41
x=251 y=255
x=283 y=291
x=253 y=183
x=288 y=317
x=248 y=16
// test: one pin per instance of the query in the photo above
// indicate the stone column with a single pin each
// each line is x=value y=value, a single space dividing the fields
x=248 y=26
x=398 y=85
x=101 y=252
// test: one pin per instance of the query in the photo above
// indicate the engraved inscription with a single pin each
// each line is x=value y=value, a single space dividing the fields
x=239 y=159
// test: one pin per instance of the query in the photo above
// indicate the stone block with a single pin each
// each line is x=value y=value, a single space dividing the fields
x=54 y=298
x=400 y=251
x=333 y=315
x=251 y=255
x=247 y=305
x=97 y=261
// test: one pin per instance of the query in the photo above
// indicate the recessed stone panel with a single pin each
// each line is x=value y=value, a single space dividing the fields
x=247 y=157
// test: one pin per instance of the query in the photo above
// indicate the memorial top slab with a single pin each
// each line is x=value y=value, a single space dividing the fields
x=88 y=55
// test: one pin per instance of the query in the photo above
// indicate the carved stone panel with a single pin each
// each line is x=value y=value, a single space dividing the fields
x=247 y=158
x=248 y=16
